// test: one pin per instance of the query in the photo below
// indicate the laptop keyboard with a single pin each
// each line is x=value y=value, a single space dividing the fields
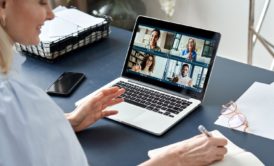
x=153 y=100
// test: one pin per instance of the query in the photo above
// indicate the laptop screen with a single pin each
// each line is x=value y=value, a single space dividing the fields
x=171 y=56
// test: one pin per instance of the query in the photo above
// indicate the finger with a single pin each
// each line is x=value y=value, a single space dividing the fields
x=200 y=136
x=108 y=97
x=221 y=150
x=218 y=141
x=109 y=91
x=219 y=157
x=217 y=154
x=109 y=113
x=115 y=101
x=101 y=94
x=120 y=92
x=104 y=95
x=112 y=100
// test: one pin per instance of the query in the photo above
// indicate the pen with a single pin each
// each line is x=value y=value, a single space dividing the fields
x=203 y=130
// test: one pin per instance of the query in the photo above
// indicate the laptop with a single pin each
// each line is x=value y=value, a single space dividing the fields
x=165 y=74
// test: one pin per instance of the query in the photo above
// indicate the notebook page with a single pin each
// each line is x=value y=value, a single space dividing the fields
x=73 y=15
x=66 y=22
x=232 y=148
x=241 y=159
x=235 y=156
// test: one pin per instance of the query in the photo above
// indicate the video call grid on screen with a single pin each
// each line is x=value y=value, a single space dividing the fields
x=171 y=57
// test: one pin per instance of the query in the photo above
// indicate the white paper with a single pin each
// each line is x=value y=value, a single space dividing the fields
x=241 y=159
x=67 y=22
x=257 y=104
x=79 y=18
x=235 y=156
x=61 y=27
x=59 y=8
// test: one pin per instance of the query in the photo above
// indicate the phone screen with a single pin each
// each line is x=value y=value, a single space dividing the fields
x=65 y=84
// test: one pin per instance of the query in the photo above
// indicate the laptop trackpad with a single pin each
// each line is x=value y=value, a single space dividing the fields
x=126 y=112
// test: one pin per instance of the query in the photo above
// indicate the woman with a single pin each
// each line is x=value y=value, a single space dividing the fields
x=147 y=65
x=190 y=51
x=34 y=130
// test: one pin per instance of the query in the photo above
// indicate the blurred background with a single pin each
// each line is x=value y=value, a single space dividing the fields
x=230 y=18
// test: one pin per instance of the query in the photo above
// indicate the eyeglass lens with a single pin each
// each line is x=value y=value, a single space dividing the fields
x=236 y=120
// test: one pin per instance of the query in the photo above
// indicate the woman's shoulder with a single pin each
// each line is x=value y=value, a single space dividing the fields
x=185 y=51
x=26 y=110
x=21 y=96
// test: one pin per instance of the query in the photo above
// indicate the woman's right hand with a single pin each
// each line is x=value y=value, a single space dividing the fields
x=95 y=108
x=196 y=151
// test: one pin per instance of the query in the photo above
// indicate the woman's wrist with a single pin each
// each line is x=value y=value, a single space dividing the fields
x=71 y=119
x=171 y=156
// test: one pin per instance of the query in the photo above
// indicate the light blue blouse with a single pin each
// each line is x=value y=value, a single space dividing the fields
x=33 y=129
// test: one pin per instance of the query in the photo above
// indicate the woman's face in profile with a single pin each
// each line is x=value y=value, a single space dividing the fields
x=24 y=19
x=154 y=38
x=149 y=61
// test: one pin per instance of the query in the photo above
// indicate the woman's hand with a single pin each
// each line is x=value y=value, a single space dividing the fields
x=94 y=108
x=136 y=68
x=189 y=83
x=175 y=79
x=196 y=151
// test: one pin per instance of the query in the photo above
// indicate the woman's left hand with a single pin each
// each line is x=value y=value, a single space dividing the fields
x=94 y=108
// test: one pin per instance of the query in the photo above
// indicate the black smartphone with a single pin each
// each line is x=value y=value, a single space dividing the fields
x=65 y=84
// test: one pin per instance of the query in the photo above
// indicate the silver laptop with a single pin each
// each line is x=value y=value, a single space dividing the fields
x=165 y=74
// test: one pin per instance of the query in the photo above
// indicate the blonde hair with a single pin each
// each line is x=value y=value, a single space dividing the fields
x=5 y=51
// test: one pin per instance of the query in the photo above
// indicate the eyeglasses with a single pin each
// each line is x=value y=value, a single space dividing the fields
x=235 y=118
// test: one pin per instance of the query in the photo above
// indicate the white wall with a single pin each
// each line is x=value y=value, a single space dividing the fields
x=229 y=17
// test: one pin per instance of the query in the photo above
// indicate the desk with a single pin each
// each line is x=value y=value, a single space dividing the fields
x=109 y=143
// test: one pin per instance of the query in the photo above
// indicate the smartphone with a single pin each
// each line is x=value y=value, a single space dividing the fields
x=65 y=84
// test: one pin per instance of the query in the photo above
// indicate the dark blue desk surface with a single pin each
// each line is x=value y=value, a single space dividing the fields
x=109 y=143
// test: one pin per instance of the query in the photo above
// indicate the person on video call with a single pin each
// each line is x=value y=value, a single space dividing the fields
x=183 y=77
x=154 y=37
x=33 y=128
x=146 y=66
x=190 y=51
